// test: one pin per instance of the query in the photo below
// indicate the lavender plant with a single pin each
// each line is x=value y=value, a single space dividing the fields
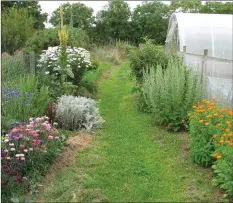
x=78 y=113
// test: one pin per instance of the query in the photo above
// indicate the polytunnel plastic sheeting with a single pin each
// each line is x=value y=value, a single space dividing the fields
x=211 y=66
x=202 y=31
x=221 y=89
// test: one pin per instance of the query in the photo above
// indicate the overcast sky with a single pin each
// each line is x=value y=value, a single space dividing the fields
x=50 y=6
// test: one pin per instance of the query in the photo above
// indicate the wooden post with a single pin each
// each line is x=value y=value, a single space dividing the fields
x=184 y=49
x=203 y=66
x=32 y=62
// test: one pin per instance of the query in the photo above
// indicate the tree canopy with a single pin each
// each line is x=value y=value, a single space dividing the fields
x=34 y=10
x=151 y=20
x=114 y=20
x=77 y=14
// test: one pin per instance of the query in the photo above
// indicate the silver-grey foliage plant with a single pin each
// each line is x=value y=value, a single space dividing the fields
x=78 y=113
x=170 y=93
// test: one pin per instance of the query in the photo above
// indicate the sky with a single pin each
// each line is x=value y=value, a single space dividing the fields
x=50 y=6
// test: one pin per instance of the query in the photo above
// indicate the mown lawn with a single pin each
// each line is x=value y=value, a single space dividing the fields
x=131 y=160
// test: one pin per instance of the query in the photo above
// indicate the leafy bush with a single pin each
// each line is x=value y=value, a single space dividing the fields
x=17 y=27
x=148 y=55
x=26 y=153
x=170 y=93
x=78 y=113
x=90 y=78
x=211 y=141
x=43 y=39
x=19 y=104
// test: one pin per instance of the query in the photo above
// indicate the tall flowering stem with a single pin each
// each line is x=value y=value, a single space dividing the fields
x=63 y=37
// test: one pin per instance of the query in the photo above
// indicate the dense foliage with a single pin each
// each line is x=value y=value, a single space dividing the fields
x=148 y=55
x=211 y=141
x=170 y=93
x=43 y=39
x=33 y=8
x=113 y=21
x=150 y=20
x=76 y=15
x=17 y=27
x=78 y=113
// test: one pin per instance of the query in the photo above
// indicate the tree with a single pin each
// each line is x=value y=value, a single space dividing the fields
x=151 y=20
x=113 y=21
x=198 y=7
x=186 y=6
x=77 y=14
x=217 y=8
x=17 y=27
x=34 y=10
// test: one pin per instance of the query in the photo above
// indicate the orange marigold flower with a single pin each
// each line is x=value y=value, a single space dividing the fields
x=219 y=157
x=207 y=124
x=201 y=121
x=213 y=99
x=182 y=121
x=215 y=136
x=227 y=130
x=230 y=113
x=215 y=154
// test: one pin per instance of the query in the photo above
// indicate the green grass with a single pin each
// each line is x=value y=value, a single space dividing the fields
x=131 y=160
x=93 y=75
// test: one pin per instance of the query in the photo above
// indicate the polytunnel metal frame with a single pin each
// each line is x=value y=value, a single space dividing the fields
x=205 y=43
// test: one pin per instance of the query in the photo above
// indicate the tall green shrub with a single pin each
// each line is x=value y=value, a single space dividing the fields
x=170 y=93
x=17 y=27
x=45 y=38
x=147 y=55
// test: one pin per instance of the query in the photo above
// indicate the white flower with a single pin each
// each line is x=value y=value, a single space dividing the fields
x=6 y=140
x=12 y=149
x=5 y=150
x=47 y=72
x=11 y=144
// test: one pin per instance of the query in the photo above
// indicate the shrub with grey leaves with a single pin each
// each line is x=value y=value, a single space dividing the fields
x=78 y=113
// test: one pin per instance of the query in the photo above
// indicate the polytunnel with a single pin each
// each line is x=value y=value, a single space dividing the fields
x=205 y=42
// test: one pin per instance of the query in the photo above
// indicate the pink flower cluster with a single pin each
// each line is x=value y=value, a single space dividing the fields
x=24 y=140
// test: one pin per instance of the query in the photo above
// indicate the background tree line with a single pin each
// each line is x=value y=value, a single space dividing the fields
x=114 y=22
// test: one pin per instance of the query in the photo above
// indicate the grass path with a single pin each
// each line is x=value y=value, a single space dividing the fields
x=131 y=160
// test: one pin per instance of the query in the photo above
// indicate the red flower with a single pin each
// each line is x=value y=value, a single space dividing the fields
x=21 y=146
